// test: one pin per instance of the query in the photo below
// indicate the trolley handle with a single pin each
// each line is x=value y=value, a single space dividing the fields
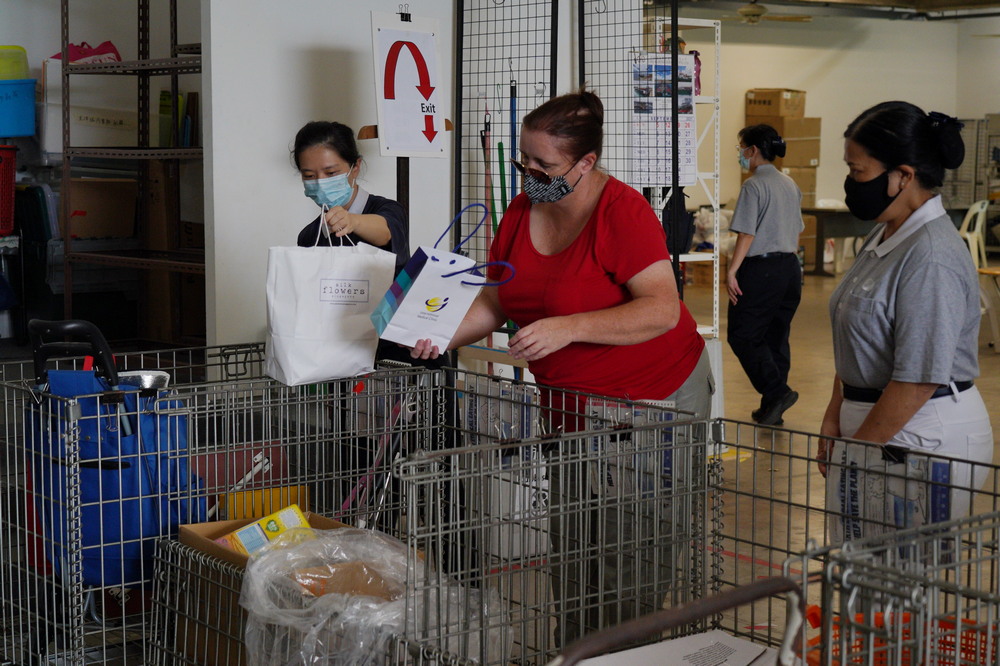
x=653 y=624
x=49 y=340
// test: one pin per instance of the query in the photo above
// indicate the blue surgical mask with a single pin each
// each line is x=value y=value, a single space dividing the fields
x=744 y=160
x=332 y=191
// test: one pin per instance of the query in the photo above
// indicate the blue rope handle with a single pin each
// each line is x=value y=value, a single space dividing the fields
x=486 y=212
x=485 y=284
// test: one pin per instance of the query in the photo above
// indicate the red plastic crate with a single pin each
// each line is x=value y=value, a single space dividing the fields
x=8 y=162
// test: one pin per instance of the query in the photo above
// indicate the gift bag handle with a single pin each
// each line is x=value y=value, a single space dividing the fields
x=324 y=230
x=472 y=233
x=478 y=266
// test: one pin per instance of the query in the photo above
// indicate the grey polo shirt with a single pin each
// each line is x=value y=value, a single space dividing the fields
x=769 y=209
x=908 y=309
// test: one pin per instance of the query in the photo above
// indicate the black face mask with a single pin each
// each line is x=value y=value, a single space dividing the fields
x=869 y=199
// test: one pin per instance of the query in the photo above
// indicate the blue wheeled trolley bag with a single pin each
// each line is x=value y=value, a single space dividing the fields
x=109 y=464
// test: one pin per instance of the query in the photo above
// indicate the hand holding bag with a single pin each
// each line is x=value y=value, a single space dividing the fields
x=432 y=294
x=319 y=300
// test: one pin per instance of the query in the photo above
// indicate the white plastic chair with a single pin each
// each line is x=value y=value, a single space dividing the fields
x=990 y=306
x=972 y=231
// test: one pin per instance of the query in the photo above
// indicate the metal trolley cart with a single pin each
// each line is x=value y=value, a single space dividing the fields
x=928 y=595
x=566 y=515
x=250 y=446
x=725 y=504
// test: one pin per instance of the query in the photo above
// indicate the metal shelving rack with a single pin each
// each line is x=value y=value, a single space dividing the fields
x=612 y=30
x=185 y=59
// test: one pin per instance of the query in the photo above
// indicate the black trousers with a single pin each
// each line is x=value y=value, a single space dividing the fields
x=761 y=320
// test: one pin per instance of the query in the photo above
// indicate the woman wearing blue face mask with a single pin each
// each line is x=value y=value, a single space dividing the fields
x=328 y=160
x=326 y=156
x=764 y=279
x=905 y=336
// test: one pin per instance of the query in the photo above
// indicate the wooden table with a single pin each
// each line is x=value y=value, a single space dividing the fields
x=834 y=223
x=992 y=305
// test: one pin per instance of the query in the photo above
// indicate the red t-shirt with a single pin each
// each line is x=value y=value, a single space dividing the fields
x=622 y=238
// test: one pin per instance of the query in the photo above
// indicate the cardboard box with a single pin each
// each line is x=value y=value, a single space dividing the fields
x=203 y=535
x=699 y=273
x=790 y=128
x=799 y=153
x=808 y=246
x=102 y=208
x=88 y=126
x=211 y=631
x=776 y=102
x=805 y=179
x=809 y=226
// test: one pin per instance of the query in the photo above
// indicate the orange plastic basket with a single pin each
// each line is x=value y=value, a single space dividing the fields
x=975 y=644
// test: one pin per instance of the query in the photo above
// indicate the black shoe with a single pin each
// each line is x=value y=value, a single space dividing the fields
x=771 y=414
x=756 y=414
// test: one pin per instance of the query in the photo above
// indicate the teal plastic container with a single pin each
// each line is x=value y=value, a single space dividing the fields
x=17 y=107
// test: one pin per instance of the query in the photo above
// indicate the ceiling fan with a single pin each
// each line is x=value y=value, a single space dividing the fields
x=753 y=13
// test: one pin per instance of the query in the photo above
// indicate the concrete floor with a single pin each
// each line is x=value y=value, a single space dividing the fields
x=812 y=358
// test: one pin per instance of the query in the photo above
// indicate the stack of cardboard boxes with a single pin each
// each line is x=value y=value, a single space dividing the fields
x=784 y=110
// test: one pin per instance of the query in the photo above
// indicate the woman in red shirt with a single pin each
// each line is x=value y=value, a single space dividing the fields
x=594 y=296
x=598 y=311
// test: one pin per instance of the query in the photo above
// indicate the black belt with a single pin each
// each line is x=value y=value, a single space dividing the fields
x=772 y=255
x=872 y=395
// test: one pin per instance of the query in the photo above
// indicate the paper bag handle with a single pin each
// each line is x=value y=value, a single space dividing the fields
x=324 y=230
x=485 y=284
x=486 y=212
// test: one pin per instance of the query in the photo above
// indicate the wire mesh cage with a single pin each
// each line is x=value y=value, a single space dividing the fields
x=86 y=500
x=530 y=516
x=506 y=67
x=565 y=512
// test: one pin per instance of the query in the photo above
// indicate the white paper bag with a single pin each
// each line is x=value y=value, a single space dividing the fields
x=319 y=303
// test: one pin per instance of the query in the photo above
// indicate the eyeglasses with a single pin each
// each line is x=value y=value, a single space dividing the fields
x=740 y=148
x=540 y=176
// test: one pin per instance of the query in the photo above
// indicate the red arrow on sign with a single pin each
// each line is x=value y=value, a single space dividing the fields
x=429 y=130
x=392 y=60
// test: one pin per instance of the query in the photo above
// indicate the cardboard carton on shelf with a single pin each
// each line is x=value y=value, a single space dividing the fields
x=799 y=153
x=699 y=273
x=102 y=208
x=775 y=102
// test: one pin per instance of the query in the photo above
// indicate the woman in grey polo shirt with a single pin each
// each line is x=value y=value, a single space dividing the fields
x=905 y=336
x=764 y=281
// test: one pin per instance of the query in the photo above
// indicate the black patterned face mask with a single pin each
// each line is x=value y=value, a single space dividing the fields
x=542 y=188
x=539 y=192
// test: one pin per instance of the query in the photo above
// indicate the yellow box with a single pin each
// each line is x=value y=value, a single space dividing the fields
x=256 y=535
x=259 y=503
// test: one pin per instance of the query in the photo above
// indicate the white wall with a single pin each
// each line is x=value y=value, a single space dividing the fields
x=271 y=68
x=845 y=65
x=978 y=68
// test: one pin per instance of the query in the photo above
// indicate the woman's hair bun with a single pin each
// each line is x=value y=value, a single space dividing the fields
x=779 y=147
x=949 y=137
